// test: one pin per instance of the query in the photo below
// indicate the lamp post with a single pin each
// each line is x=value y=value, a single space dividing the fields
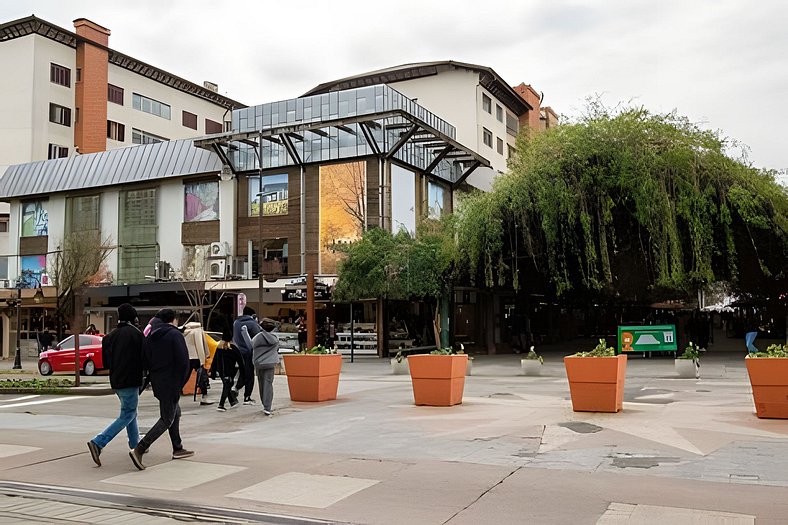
x=17 y=303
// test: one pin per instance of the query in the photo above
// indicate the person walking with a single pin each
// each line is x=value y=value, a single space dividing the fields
x=246 y=377
x=265 y=356
x=167 y=360
x=121 y=351
x=226 y=362
x=750 y=333
x=198 y=354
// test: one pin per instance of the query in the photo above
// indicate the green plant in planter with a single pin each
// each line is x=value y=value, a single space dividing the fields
x=691 y=352
x=399 y=357
x=600 y=350
x=533 y=355
x=449 y=350
x=776 y=350
x=319 y=349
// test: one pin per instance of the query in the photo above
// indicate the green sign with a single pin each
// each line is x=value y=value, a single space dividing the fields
x=656 y=338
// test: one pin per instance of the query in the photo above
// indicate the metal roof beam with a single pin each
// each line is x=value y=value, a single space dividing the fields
x=290 y=148
x=369 y=138
x=438 y=158
x=402 y=140
x=470 y=169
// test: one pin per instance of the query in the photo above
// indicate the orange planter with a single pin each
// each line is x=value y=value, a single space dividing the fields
x=438 y=380
x=313 y=377
x=769 y=380
x=596 y=383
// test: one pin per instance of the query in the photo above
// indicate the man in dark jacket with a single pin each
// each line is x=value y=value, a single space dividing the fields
x=121 y=352
x=247 y=376
x=167 y=360
x=265 y=356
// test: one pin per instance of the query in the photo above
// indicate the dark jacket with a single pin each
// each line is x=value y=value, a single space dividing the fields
x=121 y=351
x=251 y=326
x=226 y=361
x=167 y=359
x=265 y=349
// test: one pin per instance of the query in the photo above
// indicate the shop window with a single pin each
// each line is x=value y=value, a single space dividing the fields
x=272 y=191
x=201 y=201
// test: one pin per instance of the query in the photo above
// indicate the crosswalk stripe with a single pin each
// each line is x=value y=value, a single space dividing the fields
x=41 y=402
x=18 y=399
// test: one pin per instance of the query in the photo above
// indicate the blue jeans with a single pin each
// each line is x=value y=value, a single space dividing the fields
x=749 y=339
x=129 y=397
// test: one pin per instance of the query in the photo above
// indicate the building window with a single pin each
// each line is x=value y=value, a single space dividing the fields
x=512 y=125
x=189 y=120
x=212 y=127
x=143 y=137
x=272 y=192
x=148 y=105
x=4 y=226
x=57 y=152
x=115 y=94
x=137 y=234
x=201 y=201
x=487 y=137
x=60 y=115
x=116 y=131
x=486 y=103
x=60 y=75
x=35 y=219
x=510 y=151
x=499 y=145
x=83 y=213
x=499 y=113
x=79 y=74
x=437 y=199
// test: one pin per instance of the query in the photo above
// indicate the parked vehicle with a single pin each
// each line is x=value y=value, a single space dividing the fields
x=61 y=358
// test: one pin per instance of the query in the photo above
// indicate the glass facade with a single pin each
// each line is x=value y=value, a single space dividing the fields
x=337 y=141
x=273 y=193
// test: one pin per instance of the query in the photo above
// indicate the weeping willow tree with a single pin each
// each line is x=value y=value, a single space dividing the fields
x=628 y=203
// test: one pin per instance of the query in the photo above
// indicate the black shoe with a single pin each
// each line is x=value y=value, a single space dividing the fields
x=136 y=458
x=206 y=403
x=249 y=401
x=95 y=452
x=182 y=453
x=221 y=408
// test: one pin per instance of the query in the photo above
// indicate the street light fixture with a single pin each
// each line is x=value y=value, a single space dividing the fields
x=17 y=303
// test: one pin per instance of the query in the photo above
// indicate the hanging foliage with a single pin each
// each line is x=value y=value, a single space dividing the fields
x=624 y=200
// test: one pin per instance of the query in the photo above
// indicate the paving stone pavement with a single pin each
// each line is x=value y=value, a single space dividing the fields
x=389 y=461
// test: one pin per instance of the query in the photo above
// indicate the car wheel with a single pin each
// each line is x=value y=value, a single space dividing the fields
x=45 y=368
x=90 y=368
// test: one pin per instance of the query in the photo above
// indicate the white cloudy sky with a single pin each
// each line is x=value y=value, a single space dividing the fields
x=723 y=63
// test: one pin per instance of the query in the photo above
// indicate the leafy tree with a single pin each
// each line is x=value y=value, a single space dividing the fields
x=626 y=202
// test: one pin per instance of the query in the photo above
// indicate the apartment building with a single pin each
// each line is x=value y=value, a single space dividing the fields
x=71 y=93
x=67 y=93
x=485 y=110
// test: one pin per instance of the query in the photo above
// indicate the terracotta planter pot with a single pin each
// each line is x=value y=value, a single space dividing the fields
x=769 y=380
x=596 y=383
x=313 y=377
x=531 y=367
x=438 y=380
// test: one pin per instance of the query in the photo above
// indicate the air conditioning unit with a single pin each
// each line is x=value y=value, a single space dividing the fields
x=218 y=249
x=217 y=269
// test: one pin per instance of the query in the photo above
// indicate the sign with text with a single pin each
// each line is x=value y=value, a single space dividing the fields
x=655 y=338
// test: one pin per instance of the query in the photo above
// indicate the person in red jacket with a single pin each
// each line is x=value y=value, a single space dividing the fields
x=167 y=360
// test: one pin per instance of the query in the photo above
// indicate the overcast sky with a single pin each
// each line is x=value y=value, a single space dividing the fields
x=723 y=63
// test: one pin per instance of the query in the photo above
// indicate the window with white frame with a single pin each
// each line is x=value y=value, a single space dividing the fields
x=487 y=137
x=499 y=113
x=148 y=105
x=56 y=152
x=116 y=131
x=486 y=103
x=499 y=145
x=143 y=137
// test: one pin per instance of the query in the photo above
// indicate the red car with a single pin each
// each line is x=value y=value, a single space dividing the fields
x=61 y=358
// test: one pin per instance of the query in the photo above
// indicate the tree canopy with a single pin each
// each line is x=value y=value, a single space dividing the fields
x=626 y=202
x=397 y=266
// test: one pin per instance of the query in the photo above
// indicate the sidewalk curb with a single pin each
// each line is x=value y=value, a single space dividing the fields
x=68 y=391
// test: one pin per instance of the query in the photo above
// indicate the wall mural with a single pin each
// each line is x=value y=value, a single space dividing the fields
x=32 y=268
x=201 y=202
x=35 y=220
x=342 y=210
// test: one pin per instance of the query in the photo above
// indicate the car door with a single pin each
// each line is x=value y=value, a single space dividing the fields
x=63 y=357
x=90 y=348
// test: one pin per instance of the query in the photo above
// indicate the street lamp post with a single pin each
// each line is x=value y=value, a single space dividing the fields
x=18 y=303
